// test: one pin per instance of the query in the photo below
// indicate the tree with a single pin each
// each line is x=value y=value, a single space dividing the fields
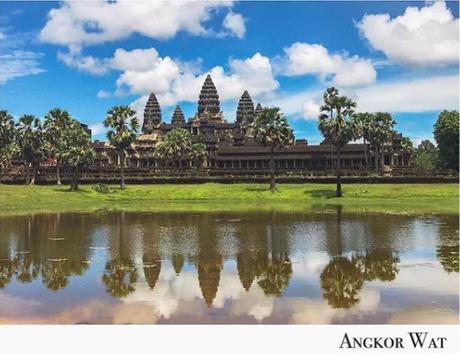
x=57 y=122
x=76 y=150
x=446 y=136
x=426 y=158
x=124 y=124
x=199 y=154
x=363 y=122
x=176 y=146
x=271 y=129
x=337 y=125
x=30 y=143
x=8 y=134
x=380 y=131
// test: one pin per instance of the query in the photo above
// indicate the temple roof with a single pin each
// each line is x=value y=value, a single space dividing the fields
x=209 y=99
x=178 y=116
x=245 y=110
x=258 y=109
x=152 y=114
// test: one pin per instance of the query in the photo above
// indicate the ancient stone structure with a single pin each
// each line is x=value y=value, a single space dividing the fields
x=152 y=115
x=233 y=151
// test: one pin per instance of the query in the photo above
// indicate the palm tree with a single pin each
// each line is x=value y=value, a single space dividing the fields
x=57 y=123
x=176 y=146
x=272 y=129
x=125 y=125
x=30 y=142
x=336 y=124
x=380 y=131
x=76 y=150
x=363 y=121
x=199 y=154
x=7 y=137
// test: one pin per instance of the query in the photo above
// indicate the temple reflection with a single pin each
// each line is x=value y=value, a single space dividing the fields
x=144 y=248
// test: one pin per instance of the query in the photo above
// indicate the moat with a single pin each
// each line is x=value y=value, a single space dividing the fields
x=318 y=268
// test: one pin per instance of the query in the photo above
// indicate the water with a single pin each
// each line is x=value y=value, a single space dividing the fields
x=228 y=268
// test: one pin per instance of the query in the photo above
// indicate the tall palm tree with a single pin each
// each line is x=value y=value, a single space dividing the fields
x=125 y=125
x=363 y=121
x=199 y=154
x=272 y=129
x=381 y=130
x=57 y=123
x=30 y=142
x=76 y=150
x=7 y=137
x=336 y=125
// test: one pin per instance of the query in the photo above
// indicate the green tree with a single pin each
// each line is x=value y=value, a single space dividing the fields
x=446 y=136
x=124 y=127
x=271 y=129
x=426 y=158
x=57 y=122
x=8 y=134
x=363 y=122
x=176 y=146
x=380 y=131
x=199 y=154
x=337 y=125
x=76 y=150
x=30 y=143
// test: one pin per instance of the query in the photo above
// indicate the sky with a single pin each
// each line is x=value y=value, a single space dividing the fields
x=85 y=57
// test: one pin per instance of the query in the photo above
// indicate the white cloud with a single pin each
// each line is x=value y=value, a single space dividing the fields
x=425 y=36
x=172 y=81
x=314 y=59
x=310 y=110
x=88 y=23
x=15 y=60
x=18 y=63
x=402 y=95
x=103 y=94
x=235 y=24
x=416 y=95
x=74 y=59
x=97 y=129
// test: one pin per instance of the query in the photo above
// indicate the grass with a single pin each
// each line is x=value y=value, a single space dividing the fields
x=369 y=198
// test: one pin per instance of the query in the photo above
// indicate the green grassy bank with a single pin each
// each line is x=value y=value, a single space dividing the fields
x=386 y=198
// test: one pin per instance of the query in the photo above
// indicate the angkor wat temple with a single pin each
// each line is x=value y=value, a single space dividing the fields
x=232 y=150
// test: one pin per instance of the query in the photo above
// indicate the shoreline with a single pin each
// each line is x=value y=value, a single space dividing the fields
x=404 y=199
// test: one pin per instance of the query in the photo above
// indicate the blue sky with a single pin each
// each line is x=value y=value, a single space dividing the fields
x=400 y=57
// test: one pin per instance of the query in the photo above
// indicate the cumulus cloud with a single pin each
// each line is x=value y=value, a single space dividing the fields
x=75 y=59
x=402 y=95
x=425 y=36
x=315 y=59
x=416 y=95
x=89 y=23
x=235 y=24
x=310 y=110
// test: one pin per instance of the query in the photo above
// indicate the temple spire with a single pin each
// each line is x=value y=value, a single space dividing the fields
x=152 y=115
x=258 y=109
x=178 y=116
x=208 y=103
x=245 y=110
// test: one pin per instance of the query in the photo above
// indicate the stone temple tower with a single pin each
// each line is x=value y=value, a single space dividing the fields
x=258 y=109
x=245 y=110
x=208 y=103
x=178 y=116
x=152 y=115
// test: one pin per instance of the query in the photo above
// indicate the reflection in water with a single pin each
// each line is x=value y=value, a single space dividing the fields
x=285 y=264
x=343 y=278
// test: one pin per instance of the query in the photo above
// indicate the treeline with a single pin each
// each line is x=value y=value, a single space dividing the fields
x=63 y=139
